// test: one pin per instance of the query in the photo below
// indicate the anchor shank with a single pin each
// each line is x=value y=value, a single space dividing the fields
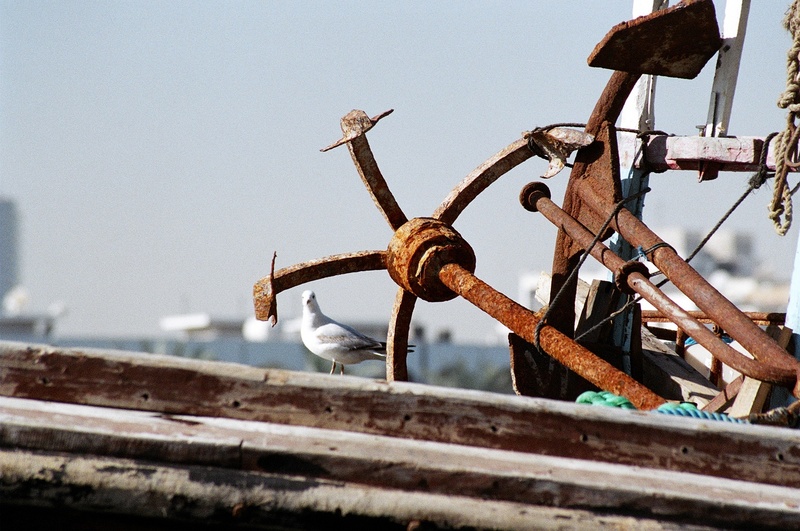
x=266 y=290
x=523 y=322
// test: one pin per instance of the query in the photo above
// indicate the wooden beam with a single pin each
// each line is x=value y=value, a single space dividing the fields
x=671 y=376
x=725 y=397
x=175 y=386
x=298 y=470
x=205 y=496
x=690 y=152
x=734 y=29
x=753 y=393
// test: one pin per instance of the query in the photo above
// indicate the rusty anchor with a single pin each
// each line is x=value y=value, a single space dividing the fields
x=428 y=259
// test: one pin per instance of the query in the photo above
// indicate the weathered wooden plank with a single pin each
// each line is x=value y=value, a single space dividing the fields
x=725 y=397
x=691 y=152
x=208 y=496
x=601 y=300
x=753 y=393
x=750 y=399
x=402 y=464
x=671 y=376
x=413 y=411
x=723 y=88
x=58 y=427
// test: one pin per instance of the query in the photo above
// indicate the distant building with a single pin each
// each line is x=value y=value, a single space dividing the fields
x=9 y=253
x=202 y=326
x=729 y=251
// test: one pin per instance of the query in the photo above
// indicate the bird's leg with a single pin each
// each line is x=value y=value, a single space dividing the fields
x=333 y=367
x=341 y=368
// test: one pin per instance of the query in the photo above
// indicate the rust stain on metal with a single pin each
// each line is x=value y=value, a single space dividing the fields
x=428 y=259
x=523 y=322
x=418 y=250
x=760 y=318
x=534 y=373
x=534 y=198
x=397 y=338
x=687 y=37
x=707 y=298
x=355 y=125
x=595 y=166
x=480 y=179
x=266 y=289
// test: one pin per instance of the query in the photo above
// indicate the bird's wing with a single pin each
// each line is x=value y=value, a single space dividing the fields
x=347 y=337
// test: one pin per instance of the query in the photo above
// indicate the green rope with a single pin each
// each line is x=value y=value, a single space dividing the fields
x=684 y=409
x=604 y=398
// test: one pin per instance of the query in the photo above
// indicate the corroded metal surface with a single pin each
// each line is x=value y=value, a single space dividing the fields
x=595 y=166
x=639 y=283
x=355 y=125
x=480 y=179
x=426 y=257
x=535 y=373
x=419 y=249
x=708 y=299
x=266 y=290
x=523 y=322
x=688 y=37
x=760 y=318
x=397 y=338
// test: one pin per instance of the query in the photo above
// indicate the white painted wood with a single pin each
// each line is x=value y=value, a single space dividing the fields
x=734 y=28
x=689 y=152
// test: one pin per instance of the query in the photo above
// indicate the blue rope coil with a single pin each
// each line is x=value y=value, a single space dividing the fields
x=687 y=409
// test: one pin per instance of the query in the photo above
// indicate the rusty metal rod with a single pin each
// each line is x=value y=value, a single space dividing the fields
x=355 y=125
x=705 y=296
x=367 y=168
x=760 y=318
x=266 y=290
x=397 y=338
x=642 y=285
x=523 y=322
x=480 y=178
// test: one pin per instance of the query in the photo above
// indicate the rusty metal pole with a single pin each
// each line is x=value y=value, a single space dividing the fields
x=355 y=125
x=523 y=322
x=631 y=277
x=705 y=296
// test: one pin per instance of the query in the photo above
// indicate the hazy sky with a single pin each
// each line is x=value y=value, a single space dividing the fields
x=159 y=152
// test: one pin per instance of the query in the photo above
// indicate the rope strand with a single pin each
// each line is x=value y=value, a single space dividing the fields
x=786 y=154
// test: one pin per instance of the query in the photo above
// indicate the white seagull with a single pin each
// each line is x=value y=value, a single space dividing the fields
x=334 y=341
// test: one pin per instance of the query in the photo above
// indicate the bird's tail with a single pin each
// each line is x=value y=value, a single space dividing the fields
x=410 y=347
